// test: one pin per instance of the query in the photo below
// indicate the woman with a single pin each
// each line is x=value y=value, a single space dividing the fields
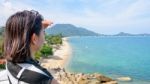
x=24 y=35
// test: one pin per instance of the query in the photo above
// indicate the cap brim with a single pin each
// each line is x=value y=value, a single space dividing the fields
x=46 y=23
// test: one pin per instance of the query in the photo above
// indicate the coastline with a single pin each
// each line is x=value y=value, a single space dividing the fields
x=60 y=57
x=57 y=63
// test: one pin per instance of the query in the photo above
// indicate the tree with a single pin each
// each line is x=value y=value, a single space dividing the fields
x=54 y=40
x=46 y=50
x=38 y=55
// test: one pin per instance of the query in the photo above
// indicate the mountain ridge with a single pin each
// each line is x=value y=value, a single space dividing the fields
x=70 y=30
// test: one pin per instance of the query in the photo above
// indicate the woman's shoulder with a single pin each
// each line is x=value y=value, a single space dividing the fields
x=32 y=67
x=31 y=73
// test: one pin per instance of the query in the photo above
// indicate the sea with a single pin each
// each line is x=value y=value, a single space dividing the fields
x=112 y=56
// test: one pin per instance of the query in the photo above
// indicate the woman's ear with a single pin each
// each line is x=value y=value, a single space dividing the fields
x=34 y=39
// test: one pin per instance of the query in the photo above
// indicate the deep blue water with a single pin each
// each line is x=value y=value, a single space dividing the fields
x=112 y=56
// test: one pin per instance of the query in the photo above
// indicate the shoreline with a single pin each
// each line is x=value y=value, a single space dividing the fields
x=57 y=64
x=60 y=58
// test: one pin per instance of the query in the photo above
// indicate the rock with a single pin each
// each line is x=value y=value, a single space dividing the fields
x=82 y=80
x=94 y=81
x=111 y=82
x=92 y=75
x=65 y=77
x=102 y=78
x=124 y=79
x=105 y=79
x=72 y=77
x=57 y=69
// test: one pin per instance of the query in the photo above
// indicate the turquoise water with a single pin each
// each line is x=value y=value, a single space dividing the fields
x=112 y=56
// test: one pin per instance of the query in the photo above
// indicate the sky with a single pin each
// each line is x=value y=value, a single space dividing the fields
x=101 y=16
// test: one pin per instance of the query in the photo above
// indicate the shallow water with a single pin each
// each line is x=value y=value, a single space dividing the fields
x=112 y=56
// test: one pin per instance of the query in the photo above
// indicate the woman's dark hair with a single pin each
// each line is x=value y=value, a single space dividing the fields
x=19 y=29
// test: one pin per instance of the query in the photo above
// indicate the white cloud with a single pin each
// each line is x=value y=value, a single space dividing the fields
x=135 y=9
x=8 y=8
x=87 y=16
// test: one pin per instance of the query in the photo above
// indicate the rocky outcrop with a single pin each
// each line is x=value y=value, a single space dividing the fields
x=80 y=78
x=125 y=79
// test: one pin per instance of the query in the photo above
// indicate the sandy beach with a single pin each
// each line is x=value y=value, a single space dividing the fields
x=60 y=57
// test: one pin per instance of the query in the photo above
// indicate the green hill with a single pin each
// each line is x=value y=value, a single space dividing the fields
x=69 y=30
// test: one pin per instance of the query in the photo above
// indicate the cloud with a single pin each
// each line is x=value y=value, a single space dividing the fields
x=8 y=8
x=136 y=9
x=126 y=18
x=98 y=15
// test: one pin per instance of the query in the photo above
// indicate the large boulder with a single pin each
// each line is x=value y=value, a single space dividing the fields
x=124 y=79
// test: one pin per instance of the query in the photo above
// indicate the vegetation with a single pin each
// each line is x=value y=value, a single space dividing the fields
x=1 y=46
x=46 y=50
x=1 y=40
x=2 y=66
x=1 y=30
x=54 y=40
x=38 y=55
